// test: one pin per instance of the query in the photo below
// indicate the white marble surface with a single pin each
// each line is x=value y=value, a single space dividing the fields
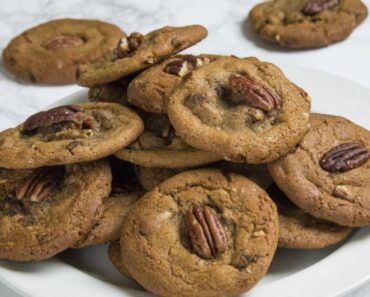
x=228 y=34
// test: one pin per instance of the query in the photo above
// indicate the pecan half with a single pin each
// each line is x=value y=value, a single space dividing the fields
x=63 y=41
x=65 y=113
x=313 y=7
x=344 y=157
x=40 y=184
x=253 y=94
x=207 y=235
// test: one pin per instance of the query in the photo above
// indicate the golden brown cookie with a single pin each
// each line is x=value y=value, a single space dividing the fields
x=69 y=134
x=46 y=210
x=306 y=23
x=125 y=192
x=299 y=230
x=200 y=233
x=159 y=146
x=244 y=110
x=328 y=174
x=151 y=89
x=138 y=52
x=50 y=53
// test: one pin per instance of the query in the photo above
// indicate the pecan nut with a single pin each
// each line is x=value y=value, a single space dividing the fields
x=206 y=233
x=344 y=157
x=128 y=44
x=40 y=184
x=63 y=41
x=243 y=259
x=313 y=7
x=253 y=94
x=185 y=64
x=65 y=113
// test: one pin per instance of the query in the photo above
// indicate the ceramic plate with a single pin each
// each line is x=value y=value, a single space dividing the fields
x=329 y=272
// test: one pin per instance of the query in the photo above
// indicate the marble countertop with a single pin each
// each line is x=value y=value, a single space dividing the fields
x=228 y=34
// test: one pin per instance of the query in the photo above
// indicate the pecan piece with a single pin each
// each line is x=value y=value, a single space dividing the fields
x=183 y=66
x=63 y=41
x=65 y=113
x=128 y=44
x=243 y=259
x=253 y=94
x=313 y=7
x=207 y=235
x=40 y=184
x=344 y=157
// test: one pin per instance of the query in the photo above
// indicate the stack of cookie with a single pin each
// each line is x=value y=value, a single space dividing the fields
x=195 y=168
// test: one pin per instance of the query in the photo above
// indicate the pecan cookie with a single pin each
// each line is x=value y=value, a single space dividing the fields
x=151 y=89
x=200 y=233
x=306 y=23
x=328 y=174
x=299 y=230
x=159 y=146
x=114 y=253
x=51 y=52
x=46 y=210
x=138 y=52
x=242 y=109
x=125 y=192
x=69 y=134
x=149 y=178
x=111 y=92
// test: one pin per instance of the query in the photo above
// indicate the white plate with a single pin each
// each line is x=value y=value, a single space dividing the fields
x=323 y=273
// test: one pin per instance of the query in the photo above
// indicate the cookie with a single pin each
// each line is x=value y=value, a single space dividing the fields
x=114 y=253
x=149 y=178
x=125 y=192
x=50 y=53
x=306 y=23
x=159 y=146
x=299 y=230
x=69 y=134
x=47 y=210
x=151 y=89
x=113 y=92
x=200 y=233
x=138 y=52
x=241 y=109
x=328 y=174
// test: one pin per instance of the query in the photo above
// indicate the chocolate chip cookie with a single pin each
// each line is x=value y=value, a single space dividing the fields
x=138 y=52
x=150 y=90
x=200 y=233
x=69 y=134
x=50 y=53
x=159 y=146
x=328 y=174
x=306 y=23
x=125 y=192
x=47 y=210
x=242 y=109
x=299 y=230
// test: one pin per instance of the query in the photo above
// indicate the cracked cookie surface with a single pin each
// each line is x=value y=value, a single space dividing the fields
x=50 y=53
x=69 y=134
x=159 y=146
x=164 y=246
x=139 y=52
x=290 y=24
x=299 y=230
x=242 y=109
x=47 y=210
x=341 y=196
